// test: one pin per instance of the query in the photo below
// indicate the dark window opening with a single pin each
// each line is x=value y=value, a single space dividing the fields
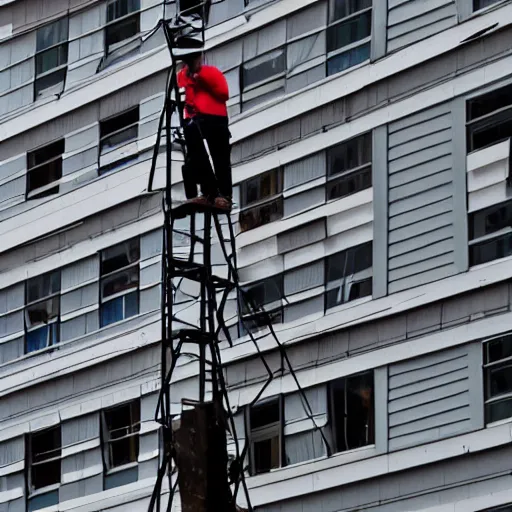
x=44 y=168
x=339 y=9
x=263 y=67
x=348 y=275
x=128 y=26
x=348 y=59
x=266 y=436
x=115 y=133
x=497 y=221
x=42 y=312
x=260 y=200
x=498 y=378
x=489 y=119
x=51 y=58
x=261 y=320
x=45 y=454
x=352 y=404
x=348 y=32
x=121 y=433
x=349 y=184
x=482 y=4
x=119 y=282
x=263 y=292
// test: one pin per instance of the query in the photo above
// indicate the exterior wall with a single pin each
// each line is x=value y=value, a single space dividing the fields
x=421 y=331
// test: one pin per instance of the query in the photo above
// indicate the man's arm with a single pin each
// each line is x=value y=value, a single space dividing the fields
x=214 y=80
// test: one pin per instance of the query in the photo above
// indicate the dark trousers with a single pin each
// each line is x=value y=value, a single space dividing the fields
x=197 y=168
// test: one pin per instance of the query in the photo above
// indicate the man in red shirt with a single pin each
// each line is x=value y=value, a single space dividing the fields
x=206 y=118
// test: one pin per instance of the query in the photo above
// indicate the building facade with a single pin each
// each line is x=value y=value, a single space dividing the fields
x=372 y=170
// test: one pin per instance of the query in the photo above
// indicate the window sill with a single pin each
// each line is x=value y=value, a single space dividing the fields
x=498 y=423
x=476 y=268
x=119 y=469
x=485 y=10
x=44 y=490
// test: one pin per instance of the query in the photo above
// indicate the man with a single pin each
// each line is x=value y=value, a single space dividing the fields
x=206 y=117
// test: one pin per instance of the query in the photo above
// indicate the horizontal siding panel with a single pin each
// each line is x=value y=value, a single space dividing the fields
x=426 y=212
x=419 y=117
x=424 y=226
x=422 y=279
x=429 y=397
x=426 y=385
x=417 y=187
x=420 y=171
x=420 y=157
x=420 y=241
x=428 y=140
x=421 y=267
x=443 y=247
x=418 y=130
x=413 y=203
x=413 y=20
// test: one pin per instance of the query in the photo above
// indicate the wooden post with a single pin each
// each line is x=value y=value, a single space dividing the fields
x=202 y=460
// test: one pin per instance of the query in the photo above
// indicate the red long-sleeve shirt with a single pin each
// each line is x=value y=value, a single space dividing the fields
x=207 y=93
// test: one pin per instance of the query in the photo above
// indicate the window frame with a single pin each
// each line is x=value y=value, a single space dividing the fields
x=265 y=433
x=332 y=409
x=123 y=293
x=109 y=25
x=505 y=362
x=31 y=490
x=106 y=441
x=104 y=151
x=60 y=69
x=48 y=189
x=54 y=324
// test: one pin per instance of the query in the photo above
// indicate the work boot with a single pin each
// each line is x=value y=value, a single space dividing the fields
x=199 y=200
x=223 y=203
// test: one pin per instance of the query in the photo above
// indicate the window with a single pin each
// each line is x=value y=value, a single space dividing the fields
x=489 y=119
x=44 y=467
x=119 y=282
x=348 y=34
x=123 y=23
x=51 y=58
x=490 y=233
x=116 y=134
x=481 y=4
x=44 y=170
x=349 y=167
x=264 y=67
x=498 y=378
x=266 y=436
x=42 y=309
x=121 y=427
x=352 y=411
x=265 y=294
x=348 y=275
x=261 y=201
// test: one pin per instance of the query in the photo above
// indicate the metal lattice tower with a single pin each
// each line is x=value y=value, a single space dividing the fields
x=210 y=410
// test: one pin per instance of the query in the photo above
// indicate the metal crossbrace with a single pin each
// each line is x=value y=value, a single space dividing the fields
x=208 y=335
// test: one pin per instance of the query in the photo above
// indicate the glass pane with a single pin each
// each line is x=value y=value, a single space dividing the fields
x=348 y=32
x=119 y=139
x=52 y=58
x=46 y=474
x=118 y=8
x=266 y=455
x=42 y=312
x=348 y=59
x=261 y=215
x=363 y=257
x=52 y=34
x=45 y=444
x=500 y=380
x=45 y=175
x=488 y=132
x=37 y=340
x=265 y=414
x=264 y=67
x=52 y=83
x=339 y=9
x=498 y=411
x=489 y=102
x=120 y=256
x=497 y=349
x=131 y=304
x=353 y=411
x=490 y=220
x=261 y=293
x=116 y=123
x=261 y=320
x=119 y=282
x=263 y=186
x=43 y=286
x=46 y=153
x=124 y=29
x=349 y=155
x=347 y=185
x=360 y=289
x=492 y=250
x=481 y=4
x=112 y=311
x=124 y=451
x=334 y=297
x=123 y=420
